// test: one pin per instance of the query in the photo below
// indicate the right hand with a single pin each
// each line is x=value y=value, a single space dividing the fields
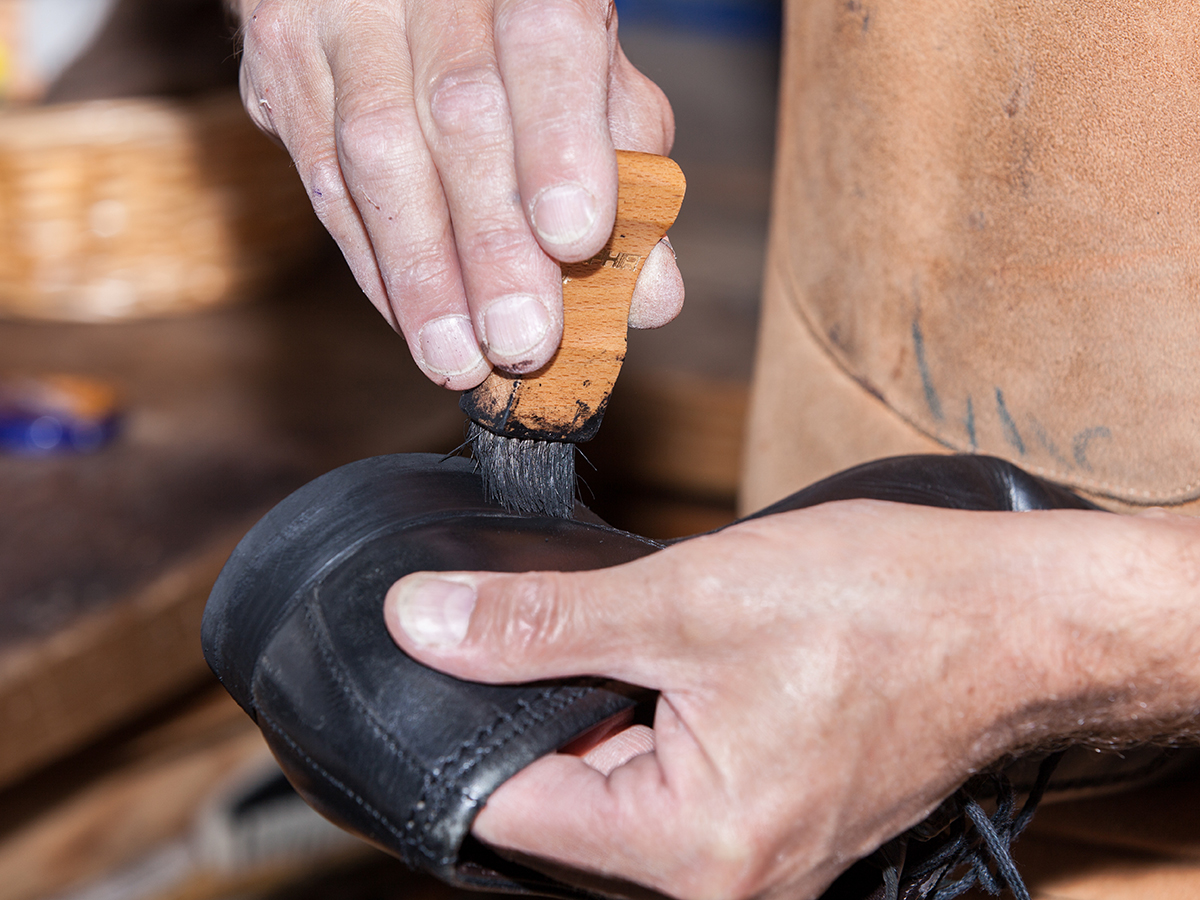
x=457 y=152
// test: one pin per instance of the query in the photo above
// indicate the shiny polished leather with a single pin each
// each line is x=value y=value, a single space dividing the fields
x=405 y=756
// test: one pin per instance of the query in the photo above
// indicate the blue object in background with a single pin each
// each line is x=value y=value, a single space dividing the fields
x=728 y=18
x=53 y=414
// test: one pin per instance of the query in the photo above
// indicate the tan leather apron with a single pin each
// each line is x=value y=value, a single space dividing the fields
x=986 y=237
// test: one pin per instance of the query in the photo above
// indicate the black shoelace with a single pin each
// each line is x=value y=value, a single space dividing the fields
x=976 y=848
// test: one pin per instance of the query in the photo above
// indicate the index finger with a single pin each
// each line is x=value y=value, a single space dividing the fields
x=561 y=811
x=657 y=819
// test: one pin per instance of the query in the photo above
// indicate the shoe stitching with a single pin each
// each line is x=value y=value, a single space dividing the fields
x=320 y=632
x=376 y=814
x=440 y=792
x=437 y=791
x=547 y=705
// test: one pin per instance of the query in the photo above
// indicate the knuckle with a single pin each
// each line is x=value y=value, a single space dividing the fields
x=640 y=113
x=498 y=241
x=427 y=274
x=535 y=19
x=541 y=612
x=537 y=613
x=469 y=102
x=326 y=189
x=565 y=41
x=269 y=28
x=372 y=135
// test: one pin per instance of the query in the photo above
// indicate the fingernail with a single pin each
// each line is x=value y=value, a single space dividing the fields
x=448 y=345
x=435 y=612
x=563 y=214
x=515 y=325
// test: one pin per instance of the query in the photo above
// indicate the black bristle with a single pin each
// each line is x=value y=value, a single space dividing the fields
x=526 y=476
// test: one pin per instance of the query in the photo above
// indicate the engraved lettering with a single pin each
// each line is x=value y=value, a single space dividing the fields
x=619 y=260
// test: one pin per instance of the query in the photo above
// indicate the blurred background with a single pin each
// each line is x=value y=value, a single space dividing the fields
x=181 y=346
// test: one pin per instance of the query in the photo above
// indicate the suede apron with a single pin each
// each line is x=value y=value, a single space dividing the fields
x=986 y=237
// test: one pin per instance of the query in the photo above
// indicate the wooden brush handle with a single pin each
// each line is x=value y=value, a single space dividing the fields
x=565 y=399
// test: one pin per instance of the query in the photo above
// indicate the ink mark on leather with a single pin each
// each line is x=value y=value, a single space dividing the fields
x=931 y=397
x=1047 y=443
x=1023 y=171
x=856 y=8
x=1010 y=427
x=1019 y=98
x=1082 y=441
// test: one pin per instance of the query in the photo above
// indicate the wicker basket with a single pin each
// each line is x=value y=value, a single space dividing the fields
x=144 y=207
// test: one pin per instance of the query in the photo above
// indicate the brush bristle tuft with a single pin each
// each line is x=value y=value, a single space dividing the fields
x=525 y=476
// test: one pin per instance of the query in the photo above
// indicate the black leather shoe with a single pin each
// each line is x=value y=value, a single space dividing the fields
x=405 y=756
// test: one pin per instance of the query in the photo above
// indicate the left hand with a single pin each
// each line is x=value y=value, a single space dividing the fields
x=827 y=677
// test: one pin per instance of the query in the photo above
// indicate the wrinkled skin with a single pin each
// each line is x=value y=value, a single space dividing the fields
x=457 y=151
x=827 y=677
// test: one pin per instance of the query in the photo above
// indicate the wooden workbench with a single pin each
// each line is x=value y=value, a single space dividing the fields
x=106 y=559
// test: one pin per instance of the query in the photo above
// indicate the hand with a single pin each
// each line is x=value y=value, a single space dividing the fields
x=827 y=677
x=456 y=152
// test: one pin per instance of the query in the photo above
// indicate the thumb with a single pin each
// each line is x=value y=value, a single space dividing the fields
x=495 y=627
